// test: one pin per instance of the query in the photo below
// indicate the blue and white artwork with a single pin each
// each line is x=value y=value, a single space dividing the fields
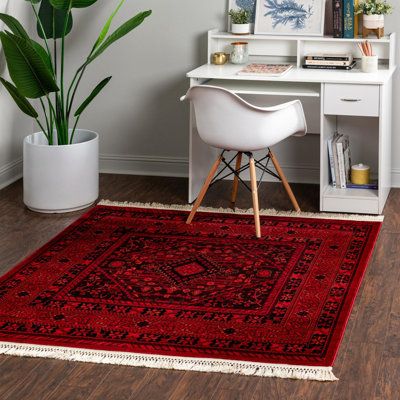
x=290 y=17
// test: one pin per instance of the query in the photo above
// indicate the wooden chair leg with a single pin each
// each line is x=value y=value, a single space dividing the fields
x=204 y=189
x=236 y=180
x=284 y=181
x=254 y=192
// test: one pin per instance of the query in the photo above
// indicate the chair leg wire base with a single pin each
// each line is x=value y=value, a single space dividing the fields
x=262 y=164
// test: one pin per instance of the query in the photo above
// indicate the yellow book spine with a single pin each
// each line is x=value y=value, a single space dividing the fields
x=356 y=19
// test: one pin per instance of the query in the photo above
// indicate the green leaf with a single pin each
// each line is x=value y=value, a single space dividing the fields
x=107 y=25
x=42 y=53
x=20 y=100
x=14 y=25
x=27 y=69
x=66 y=4
x=46 y=14
x=34 y=1
x=92 y=95
x=123 y=30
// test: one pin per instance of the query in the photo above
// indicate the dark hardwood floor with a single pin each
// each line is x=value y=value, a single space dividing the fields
x=368 y=364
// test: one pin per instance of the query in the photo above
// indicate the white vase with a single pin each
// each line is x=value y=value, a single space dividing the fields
x=60 y=179
x=240 y=29
x=373 y=21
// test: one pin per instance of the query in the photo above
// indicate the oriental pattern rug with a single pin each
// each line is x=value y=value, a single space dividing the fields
x=137 y=286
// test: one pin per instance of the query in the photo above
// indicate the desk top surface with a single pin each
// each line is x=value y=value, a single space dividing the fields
x=229 y=71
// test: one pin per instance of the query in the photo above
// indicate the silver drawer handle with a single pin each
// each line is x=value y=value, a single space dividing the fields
x=351 y=100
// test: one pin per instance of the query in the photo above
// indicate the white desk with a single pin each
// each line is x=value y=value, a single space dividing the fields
x=353 y=98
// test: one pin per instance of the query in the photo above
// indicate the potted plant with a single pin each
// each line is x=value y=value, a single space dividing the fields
x=240 y=21
x=61 y=161
x=374 y=12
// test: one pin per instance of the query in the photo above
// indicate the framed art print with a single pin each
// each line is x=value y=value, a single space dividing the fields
x=290 y=17
x=249 y=5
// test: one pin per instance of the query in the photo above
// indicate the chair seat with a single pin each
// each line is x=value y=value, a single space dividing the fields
x=226 y=121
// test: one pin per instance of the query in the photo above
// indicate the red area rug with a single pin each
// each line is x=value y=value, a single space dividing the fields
x=138 y=286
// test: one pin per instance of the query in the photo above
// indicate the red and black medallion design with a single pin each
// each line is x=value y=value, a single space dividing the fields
x=141 y=280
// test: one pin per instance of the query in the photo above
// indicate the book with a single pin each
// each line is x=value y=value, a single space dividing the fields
x=266 y=69
x=329 y=63
x=372 y=186
x=337 y=18
x=330 y=57
x=336 y=137
x=348 y=67
x=331 y=162
x=348 y=19
x=356 y=20
x=340 y=156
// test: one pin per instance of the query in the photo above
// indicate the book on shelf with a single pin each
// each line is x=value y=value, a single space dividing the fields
x=342 y=67
x=339 y=160
x=265 y=69
x=348 y=19
x=330 y=57
x=372 y=186
x=337 y=18
x=329 y=63
x=356 y=19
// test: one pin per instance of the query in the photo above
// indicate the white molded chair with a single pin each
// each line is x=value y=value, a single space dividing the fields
x=226 y=121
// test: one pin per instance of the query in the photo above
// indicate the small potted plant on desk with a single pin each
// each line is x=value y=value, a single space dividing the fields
x=240 y=21
x=61 y=162
x=374 y=12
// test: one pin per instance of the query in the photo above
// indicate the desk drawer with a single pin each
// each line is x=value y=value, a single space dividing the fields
x=358 y=100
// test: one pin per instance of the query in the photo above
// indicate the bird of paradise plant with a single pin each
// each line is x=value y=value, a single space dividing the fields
x=38 y=71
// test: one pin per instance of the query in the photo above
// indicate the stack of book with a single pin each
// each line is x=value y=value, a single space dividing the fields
x=345 y=22
x=339 y=160
x=329 y=61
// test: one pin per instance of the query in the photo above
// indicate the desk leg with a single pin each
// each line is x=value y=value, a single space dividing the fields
x=201 y=157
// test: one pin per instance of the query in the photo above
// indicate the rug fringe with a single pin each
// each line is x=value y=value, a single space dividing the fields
x=270 y=211
x=169 y=362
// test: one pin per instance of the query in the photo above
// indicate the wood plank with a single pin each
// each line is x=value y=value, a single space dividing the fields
x=42 y=380
x=159 y=384
x=235 y=387
x=80 y=382
x=196 y=385
x=120 y=383
x=14 y=371
x=359 y=372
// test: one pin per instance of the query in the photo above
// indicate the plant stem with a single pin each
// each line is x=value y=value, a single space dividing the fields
x=46 y=117
x=43 y=32
x=43 y=130
x=64 y=121
x=74 y=129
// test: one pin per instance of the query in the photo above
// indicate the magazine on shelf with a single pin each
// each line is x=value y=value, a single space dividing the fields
x=339 y=160
x=266 y=69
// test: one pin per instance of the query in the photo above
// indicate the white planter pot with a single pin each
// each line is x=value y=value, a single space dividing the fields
x=373 y=21
x=61 y=179
x=241 y=29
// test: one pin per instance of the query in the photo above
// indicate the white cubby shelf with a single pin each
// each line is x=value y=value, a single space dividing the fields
x=295 y=48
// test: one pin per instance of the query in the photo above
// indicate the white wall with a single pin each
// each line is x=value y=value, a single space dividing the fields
x=13 y=124
x=143 y=125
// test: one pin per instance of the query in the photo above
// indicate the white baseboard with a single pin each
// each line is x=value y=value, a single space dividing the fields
x=10 y=172
x=167 y=166
x=179 y=167
x=396 y=178
x=144 y=165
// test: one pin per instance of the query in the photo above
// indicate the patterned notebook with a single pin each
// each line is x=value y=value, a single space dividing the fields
x=266 y=69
